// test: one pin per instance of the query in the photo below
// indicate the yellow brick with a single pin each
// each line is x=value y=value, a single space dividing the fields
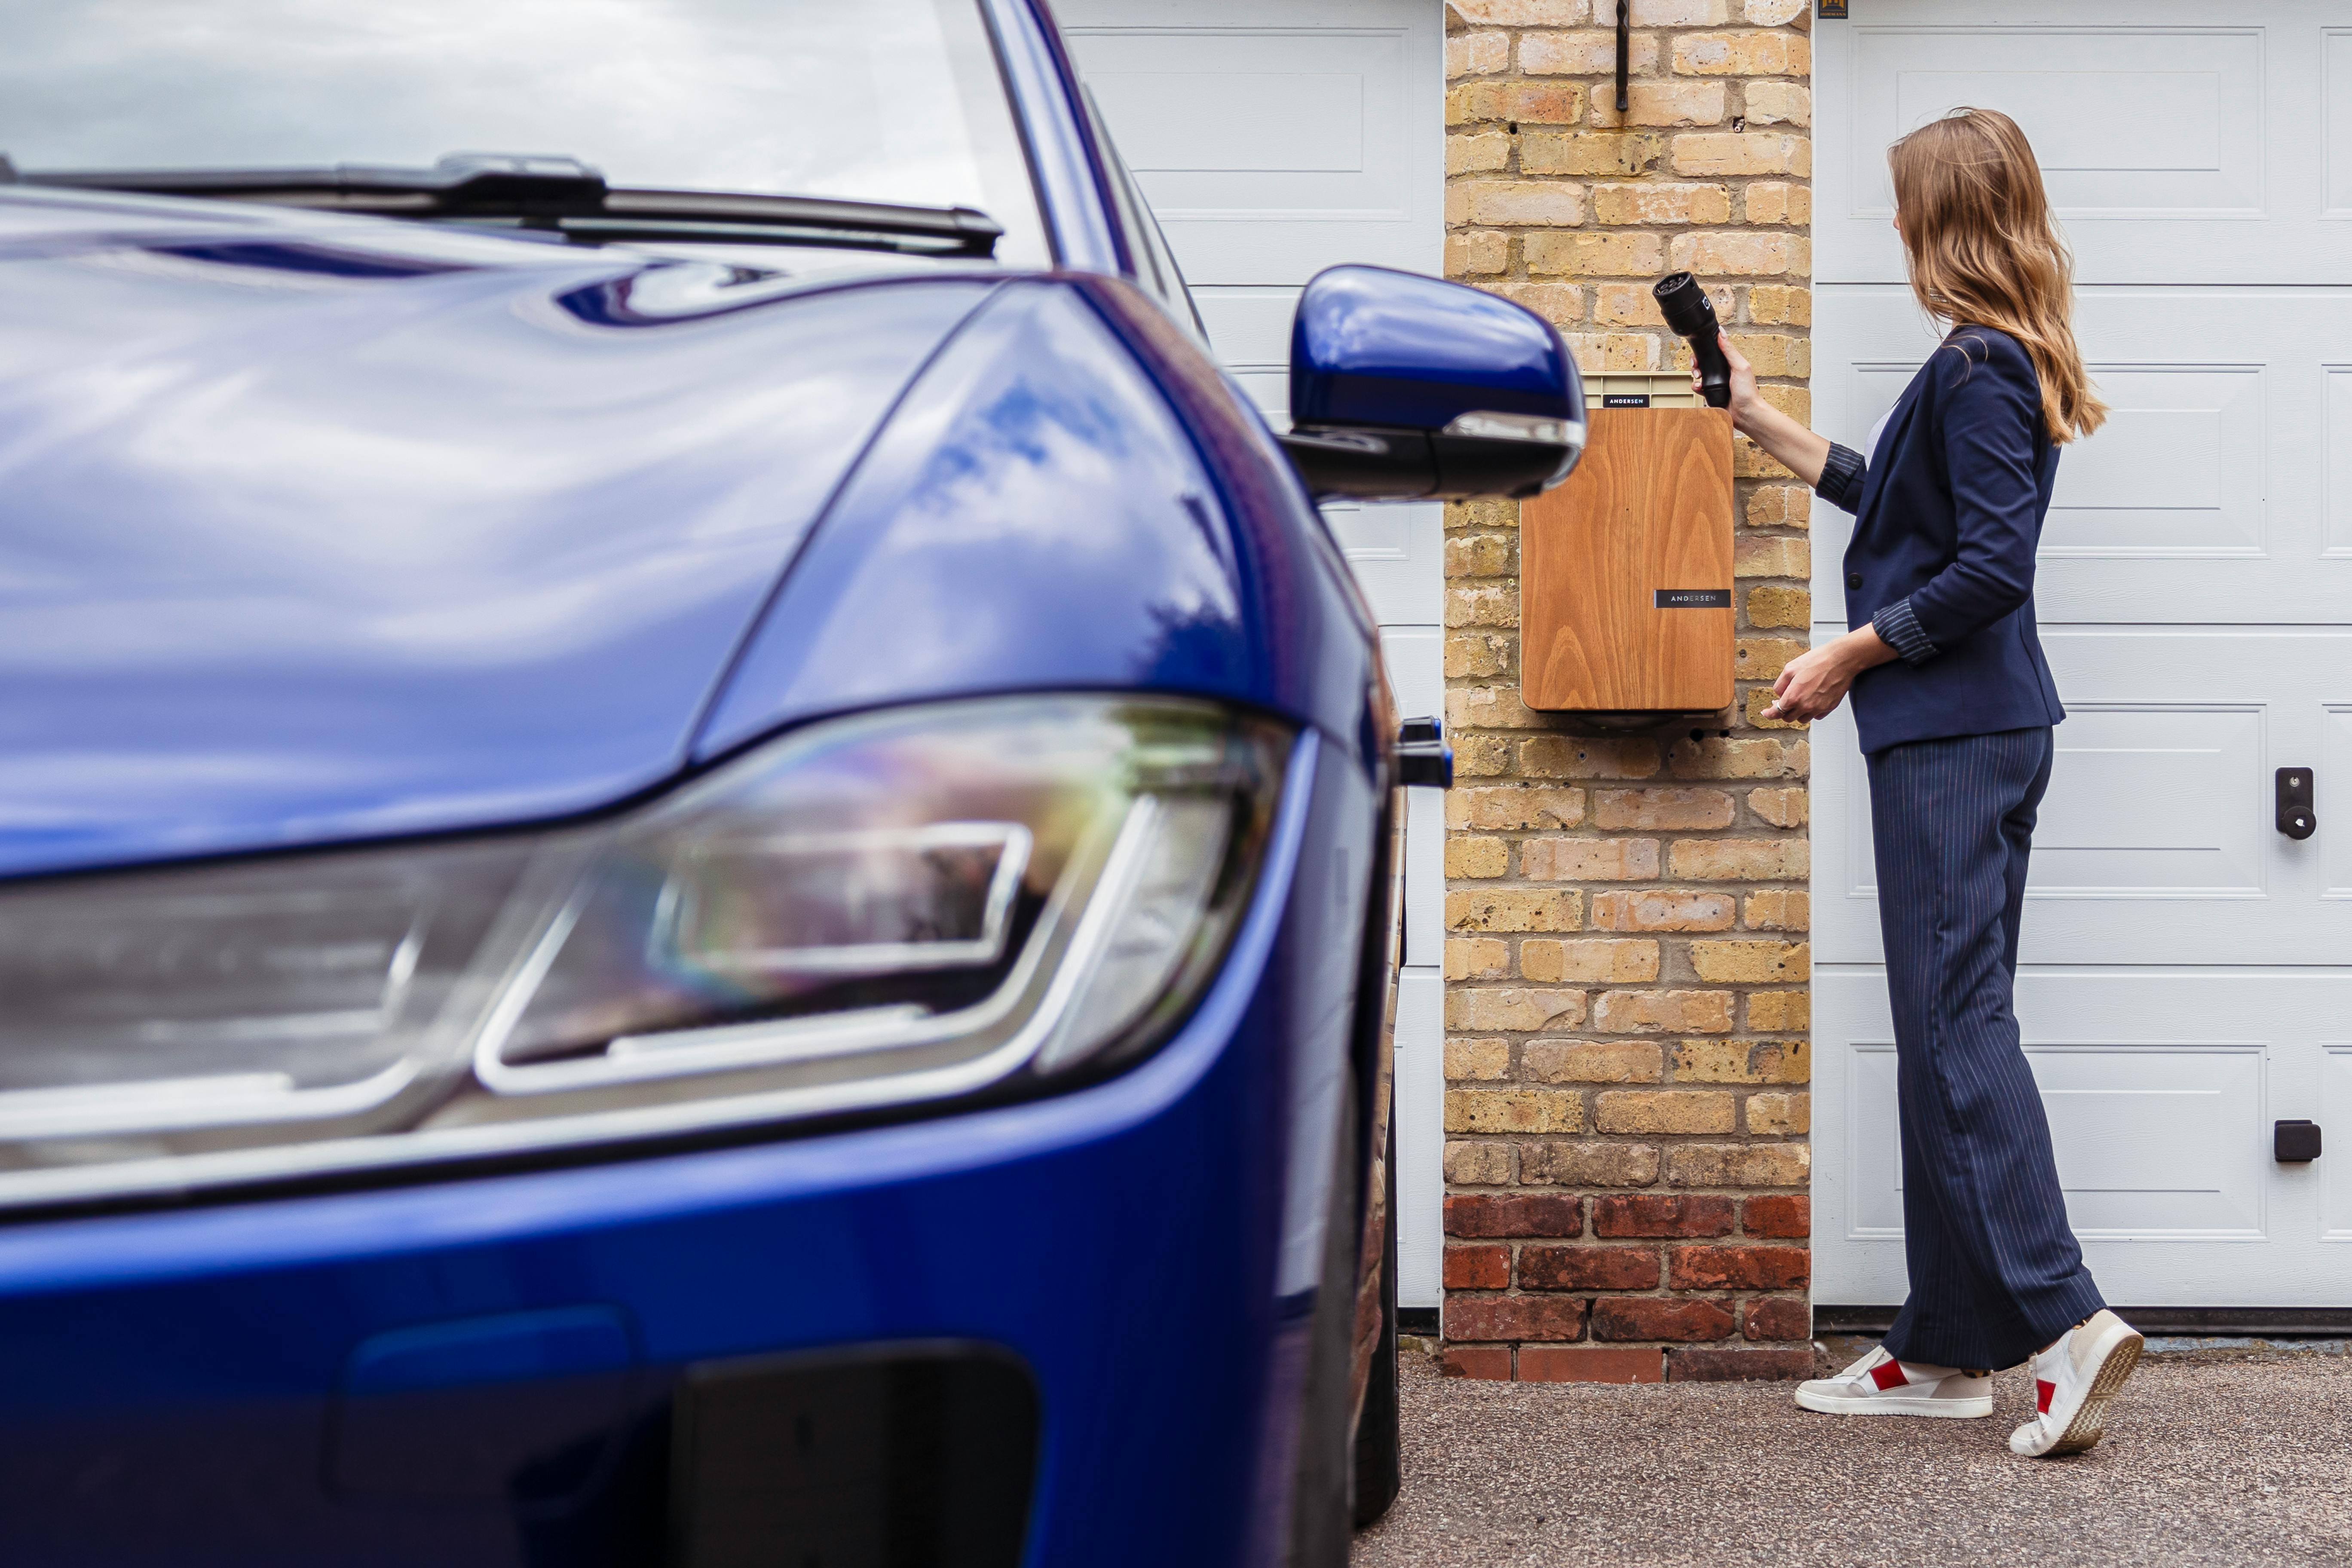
x=1508 y=203
x=1602 y=352
x=1481 y=153
x=1477 y=958
x=1781 y=506
x=1772 y=606
x=1514 y=910
x=1779 y=1113
x=1482 y=756
x=1473 y=1060
x=1677 y=12
x=1750 y=962
x=1476 y=253
x=1593 y=1061
x=1488 y=708
x=1754 y=557
x=1772 y=201
x=1763 y=659
x=1526 y=102
x=1665 y=1111
x=1777 y=909
x=1774 y=353
x=1482 y=555
x=1592 y=962
x=1661 y=103
x=1617 y=152
x=1522 y=13
x=1661 y=204
x=1559 y=303
x=1484 y=513
x=1742 y=152
x=1663 y=1013
x=1742 y=1061
x=1775 y=12
x=1583 y=1164
x=1477 y=655
x=1478 y=1164
x=1514 y=1011
x=1666 y=909
x=1584 y=54
x=1477 y=857
x=1482 y=605
x=1749 y=462
x=1756 y=711
x=1740 y=860
x=1780 y=1012
x=1513 y=1110
x=1742 y=54
x=1575 y=757
x=1796 y=401
x=1595 y=254
x=1775 y=303
x=1660 y=810
x=1738 y=1165
x=1741 y=759
x=1781 y=808
x=1478 y=54
x=1589 y=860
x=1740 y=252
x=1508 y=807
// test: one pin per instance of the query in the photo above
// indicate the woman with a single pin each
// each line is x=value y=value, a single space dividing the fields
x=1954 y=707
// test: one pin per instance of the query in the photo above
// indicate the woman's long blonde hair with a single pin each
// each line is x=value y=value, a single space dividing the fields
x=1983 y=250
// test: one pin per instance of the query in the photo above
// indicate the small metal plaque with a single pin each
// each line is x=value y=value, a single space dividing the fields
x=1831 y=11
x=1625 y=400
x=1693 y=599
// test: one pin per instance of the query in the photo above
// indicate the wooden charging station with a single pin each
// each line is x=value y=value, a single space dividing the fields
x=1625 y=590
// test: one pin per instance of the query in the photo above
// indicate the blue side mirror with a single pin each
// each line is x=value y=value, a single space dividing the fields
x=1403 y=385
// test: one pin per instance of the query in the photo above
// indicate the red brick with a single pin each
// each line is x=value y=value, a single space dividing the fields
x=1656 y=1318
x=1692 y=1365
x=1514 y=1214
x=1741 y=1268
x=1631 y=1216
x=1477 y=1269
x=1783 y=1214
x=1517 y=1317
x=1588 y=1269
x=1477 y=1361
x=1777 y=1318
x=1590 y=1363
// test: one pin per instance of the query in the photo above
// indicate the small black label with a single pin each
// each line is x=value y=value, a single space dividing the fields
x=1831 y=11
x=1693 y=599
x=1624 y=400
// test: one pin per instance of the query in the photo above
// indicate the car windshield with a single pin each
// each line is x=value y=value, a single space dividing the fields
x=876 y=100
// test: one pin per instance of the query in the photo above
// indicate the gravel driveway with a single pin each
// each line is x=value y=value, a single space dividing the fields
x=2219 y=1458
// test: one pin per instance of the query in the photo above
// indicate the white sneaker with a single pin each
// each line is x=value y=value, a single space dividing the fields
x=1878 y=1384
x=2072 y=1381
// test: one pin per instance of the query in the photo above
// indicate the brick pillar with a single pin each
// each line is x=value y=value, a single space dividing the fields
x=1626 y=966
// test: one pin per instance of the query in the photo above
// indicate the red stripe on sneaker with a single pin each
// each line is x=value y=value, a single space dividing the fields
x=1888 y=1374
x=2042 y=1392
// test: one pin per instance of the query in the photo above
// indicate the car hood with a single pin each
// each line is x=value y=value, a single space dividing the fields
x=317 y=529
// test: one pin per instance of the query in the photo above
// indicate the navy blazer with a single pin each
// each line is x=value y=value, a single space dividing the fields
x=1949 y=513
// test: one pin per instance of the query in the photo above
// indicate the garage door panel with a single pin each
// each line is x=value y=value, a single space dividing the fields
x=2235 y=120
x=2219 y=489
x=2160 y=1088
x=2157 y=842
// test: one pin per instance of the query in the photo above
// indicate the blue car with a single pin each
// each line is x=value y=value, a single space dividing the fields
x=695 y=832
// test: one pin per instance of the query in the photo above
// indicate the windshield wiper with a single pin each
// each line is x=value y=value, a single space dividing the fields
x=566 y=196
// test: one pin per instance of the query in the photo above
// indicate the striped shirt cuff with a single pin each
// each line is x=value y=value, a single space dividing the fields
x=1843 y=472
x=1899 y=629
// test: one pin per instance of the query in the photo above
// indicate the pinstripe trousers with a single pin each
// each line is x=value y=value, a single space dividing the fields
x=1995 y=1270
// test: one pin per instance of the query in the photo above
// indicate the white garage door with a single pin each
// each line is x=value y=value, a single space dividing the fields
x=2188 y=969
x=1276 y=137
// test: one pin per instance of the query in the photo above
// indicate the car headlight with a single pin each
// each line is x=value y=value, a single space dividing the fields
x=903 y=907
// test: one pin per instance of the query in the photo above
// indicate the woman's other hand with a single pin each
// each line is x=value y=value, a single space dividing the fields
x=1816 y=681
